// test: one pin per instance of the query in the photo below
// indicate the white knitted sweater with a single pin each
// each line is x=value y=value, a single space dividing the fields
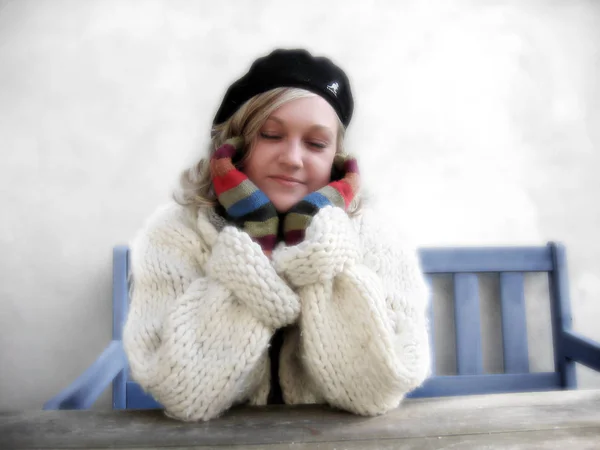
x=206 y=301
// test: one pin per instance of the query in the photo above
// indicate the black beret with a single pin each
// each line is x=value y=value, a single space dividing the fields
x=291 y=68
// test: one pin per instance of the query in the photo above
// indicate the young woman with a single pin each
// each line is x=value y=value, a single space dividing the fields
x=266 y=281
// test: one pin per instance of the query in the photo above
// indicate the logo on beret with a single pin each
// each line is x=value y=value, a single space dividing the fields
x=333 y=88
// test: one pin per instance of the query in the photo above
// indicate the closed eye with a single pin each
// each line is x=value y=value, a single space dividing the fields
x=272 y=137
x=319 y=145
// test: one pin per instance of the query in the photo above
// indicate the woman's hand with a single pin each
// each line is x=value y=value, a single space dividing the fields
x=319 y=235
x=330 y=244
x=240 y=265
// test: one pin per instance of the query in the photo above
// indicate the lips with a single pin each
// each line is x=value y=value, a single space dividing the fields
x=286 y=181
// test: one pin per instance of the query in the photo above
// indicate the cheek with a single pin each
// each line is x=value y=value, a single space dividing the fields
x=249 y=169
x=320 y=173
x=251 y=166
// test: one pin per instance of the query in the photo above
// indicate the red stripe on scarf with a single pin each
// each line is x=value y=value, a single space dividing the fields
x=230 y=180
x=344 y=189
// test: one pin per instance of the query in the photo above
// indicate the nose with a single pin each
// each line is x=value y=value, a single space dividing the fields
x=291 y=153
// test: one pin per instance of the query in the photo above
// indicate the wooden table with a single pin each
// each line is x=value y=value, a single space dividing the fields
x=543 y=420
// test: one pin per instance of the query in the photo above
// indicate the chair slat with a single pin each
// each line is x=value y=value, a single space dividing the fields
x=120 y=289
x=561 y=314
x=120 y=307
x=469 y=358
x=514 y=324
x=431 y=315
x=138 y=399
x=581 y=349
x=486 y=259
x=83 y=392
x=486 y=384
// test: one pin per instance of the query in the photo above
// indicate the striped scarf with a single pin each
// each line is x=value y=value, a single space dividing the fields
x=338 y=193
x=248 y=208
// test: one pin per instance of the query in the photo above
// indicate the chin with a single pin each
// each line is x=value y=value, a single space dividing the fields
x=282 y=208
x=284 y=205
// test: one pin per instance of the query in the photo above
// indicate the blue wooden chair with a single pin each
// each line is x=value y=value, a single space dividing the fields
x=464 y=264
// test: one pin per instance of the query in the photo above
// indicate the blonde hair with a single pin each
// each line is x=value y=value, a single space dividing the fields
x=195 y=183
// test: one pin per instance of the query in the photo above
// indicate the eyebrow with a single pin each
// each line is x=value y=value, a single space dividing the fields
x=317 y=127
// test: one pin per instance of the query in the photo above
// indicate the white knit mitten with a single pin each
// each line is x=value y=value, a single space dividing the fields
x=240 y=264
x=331 y=243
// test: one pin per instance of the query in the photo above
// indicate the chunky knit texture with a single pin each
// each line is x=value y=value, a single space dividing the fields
x=205 y=303
x=363 y=301
x=245 y=205
x=338 y=193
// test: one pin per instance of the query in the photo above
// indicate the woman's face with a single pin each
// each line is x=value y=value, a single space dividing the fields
x=293 y=153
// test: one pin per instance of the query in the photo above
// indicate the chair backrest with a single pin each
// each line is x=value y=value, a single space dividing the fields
x=511 y=264
x=464 y=265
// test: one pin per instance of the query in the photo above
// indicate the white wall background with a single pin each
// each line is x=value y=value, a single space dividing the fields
x=478 y=121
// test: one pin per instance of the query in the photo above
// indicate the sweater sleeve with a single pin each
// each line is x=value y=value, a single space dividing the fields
x=364 y=329
x=195 y=339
